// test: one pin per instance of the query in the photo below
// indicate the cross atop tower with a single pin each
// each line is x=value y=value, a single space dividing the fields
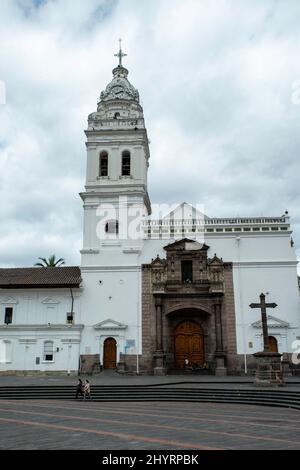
x=120 y=54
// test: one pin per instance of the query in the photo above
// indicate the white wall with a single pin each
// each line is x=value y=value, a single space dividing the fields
x=281 y=283
x=117 y=298
x=39 y=315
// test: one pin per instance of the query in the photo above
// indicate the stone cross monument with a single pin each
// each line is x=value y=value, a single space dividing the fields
x=263 y=308
x=269 y=368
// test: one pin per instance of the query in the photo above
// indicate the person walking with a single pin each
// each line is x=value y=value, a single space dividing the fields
x=79 y=388
x=87 y=390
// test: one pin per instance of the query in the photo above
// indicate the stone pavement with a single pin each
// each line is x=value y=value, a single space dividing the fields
x=34 y=424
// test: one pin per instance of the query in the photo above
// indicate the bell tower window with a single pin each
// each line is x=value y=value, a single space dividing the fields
x=112 y=226
x=103 y=170
x=126 y=163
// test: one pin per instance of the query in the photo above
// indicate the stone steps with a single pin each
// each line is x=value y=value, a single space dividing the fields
x=270 y=397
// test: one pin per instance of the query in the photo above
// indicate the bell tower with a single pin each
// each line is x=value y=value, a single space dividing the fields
x=115 y=203
x=117 y=164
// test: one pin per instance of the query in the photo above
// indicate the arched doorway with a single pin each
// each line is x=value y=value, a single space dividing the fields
x=189 y=344
x=110 y=354
x=273 y=345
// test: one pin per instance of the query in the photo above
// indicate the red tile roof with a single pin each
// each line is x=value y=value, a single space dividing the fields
x=67 y=276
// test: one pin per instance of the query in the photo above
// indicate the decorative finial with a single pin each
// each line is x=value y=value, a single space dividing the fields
x=120 y=54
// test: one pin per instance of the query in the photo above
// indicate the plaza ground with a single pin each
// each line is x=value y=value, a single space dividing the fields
x=59 y=424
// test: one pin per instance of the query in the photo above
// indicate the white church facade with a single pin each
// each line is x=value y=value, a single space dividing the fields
x=151 y=295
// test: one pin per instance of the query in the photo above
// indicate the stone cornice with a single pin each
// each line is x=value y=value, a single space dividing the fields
x=254 y=264
x=110 y=324
x=35 y=327
x=100 y=269
x=273 y=322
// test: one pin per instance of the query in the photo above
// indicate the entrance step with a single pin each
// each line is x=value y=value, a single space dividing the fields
x=273 y=397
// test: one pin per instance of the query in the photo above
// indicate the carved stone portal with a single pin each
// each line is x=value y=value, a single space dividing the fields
x=187 y=288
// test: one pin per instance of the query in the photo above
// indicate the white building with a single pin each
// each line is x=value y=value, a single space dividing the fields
x=151 y=293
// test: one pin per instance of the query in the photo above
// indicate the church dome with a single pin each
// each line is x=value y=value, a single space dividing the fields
x=119 y=104
x=120 y=88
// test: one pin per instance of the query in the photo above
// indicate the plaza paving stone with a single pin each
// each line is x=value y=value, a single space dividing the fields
x=46 y=424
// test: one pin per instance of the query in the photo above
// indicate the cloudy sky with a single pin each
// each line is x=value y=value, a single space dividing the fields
x=219 y=81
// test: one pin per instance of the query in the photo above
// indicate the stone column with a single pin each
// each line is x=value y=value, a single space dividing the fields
x=159 y=327
x=159 y=356
x=221 y=370
x=218 y=326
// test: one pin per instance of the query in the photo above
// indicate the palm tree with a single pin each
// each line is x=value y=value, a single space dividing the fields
x=51 y=262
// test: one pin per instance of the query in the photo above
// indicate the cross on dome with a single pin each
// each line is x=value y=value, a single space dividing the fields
x=120 y=54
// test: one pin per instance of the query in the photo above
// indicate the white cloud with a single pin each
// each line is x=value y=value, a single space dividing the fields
x=216 y=81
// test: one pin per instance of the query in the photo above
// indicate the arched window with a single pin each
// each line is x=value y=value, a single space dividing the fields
x=116 y=115
x=103 y=167
x=126 y=163
x=48 y=351
x=112 y=226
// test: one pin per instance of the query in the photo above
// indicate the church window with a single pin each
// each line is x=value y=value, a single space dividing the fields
x=48 y=351
x=103 y=164
x=187 y=271
x=126 y=163
x=112 y=226
x=8 y=315
x=117 y=115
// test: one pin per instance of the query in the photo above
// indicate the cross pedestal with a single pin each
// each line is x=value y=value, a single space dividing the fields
x=269 y=368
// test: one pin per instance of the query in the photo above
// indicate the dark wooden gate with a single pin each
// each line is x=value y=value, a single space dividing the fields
x=189 y=344
x=273 y=344
x=110 y=354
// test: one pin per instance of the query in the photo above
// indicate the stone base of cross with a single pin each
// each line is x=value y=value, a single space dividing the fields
x=269 y=369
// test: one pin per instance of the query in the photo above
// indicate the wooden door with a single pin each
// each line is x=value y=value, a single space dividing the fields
x=189 y=344
x=110 y=354
x=273 y=344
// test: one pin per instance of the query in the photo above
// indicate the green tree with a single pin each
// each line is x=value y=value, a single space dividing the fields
x=51 y=262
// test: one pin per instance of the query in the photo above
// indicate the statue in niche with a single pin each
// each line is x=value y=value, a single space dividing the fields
x=158 y=276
